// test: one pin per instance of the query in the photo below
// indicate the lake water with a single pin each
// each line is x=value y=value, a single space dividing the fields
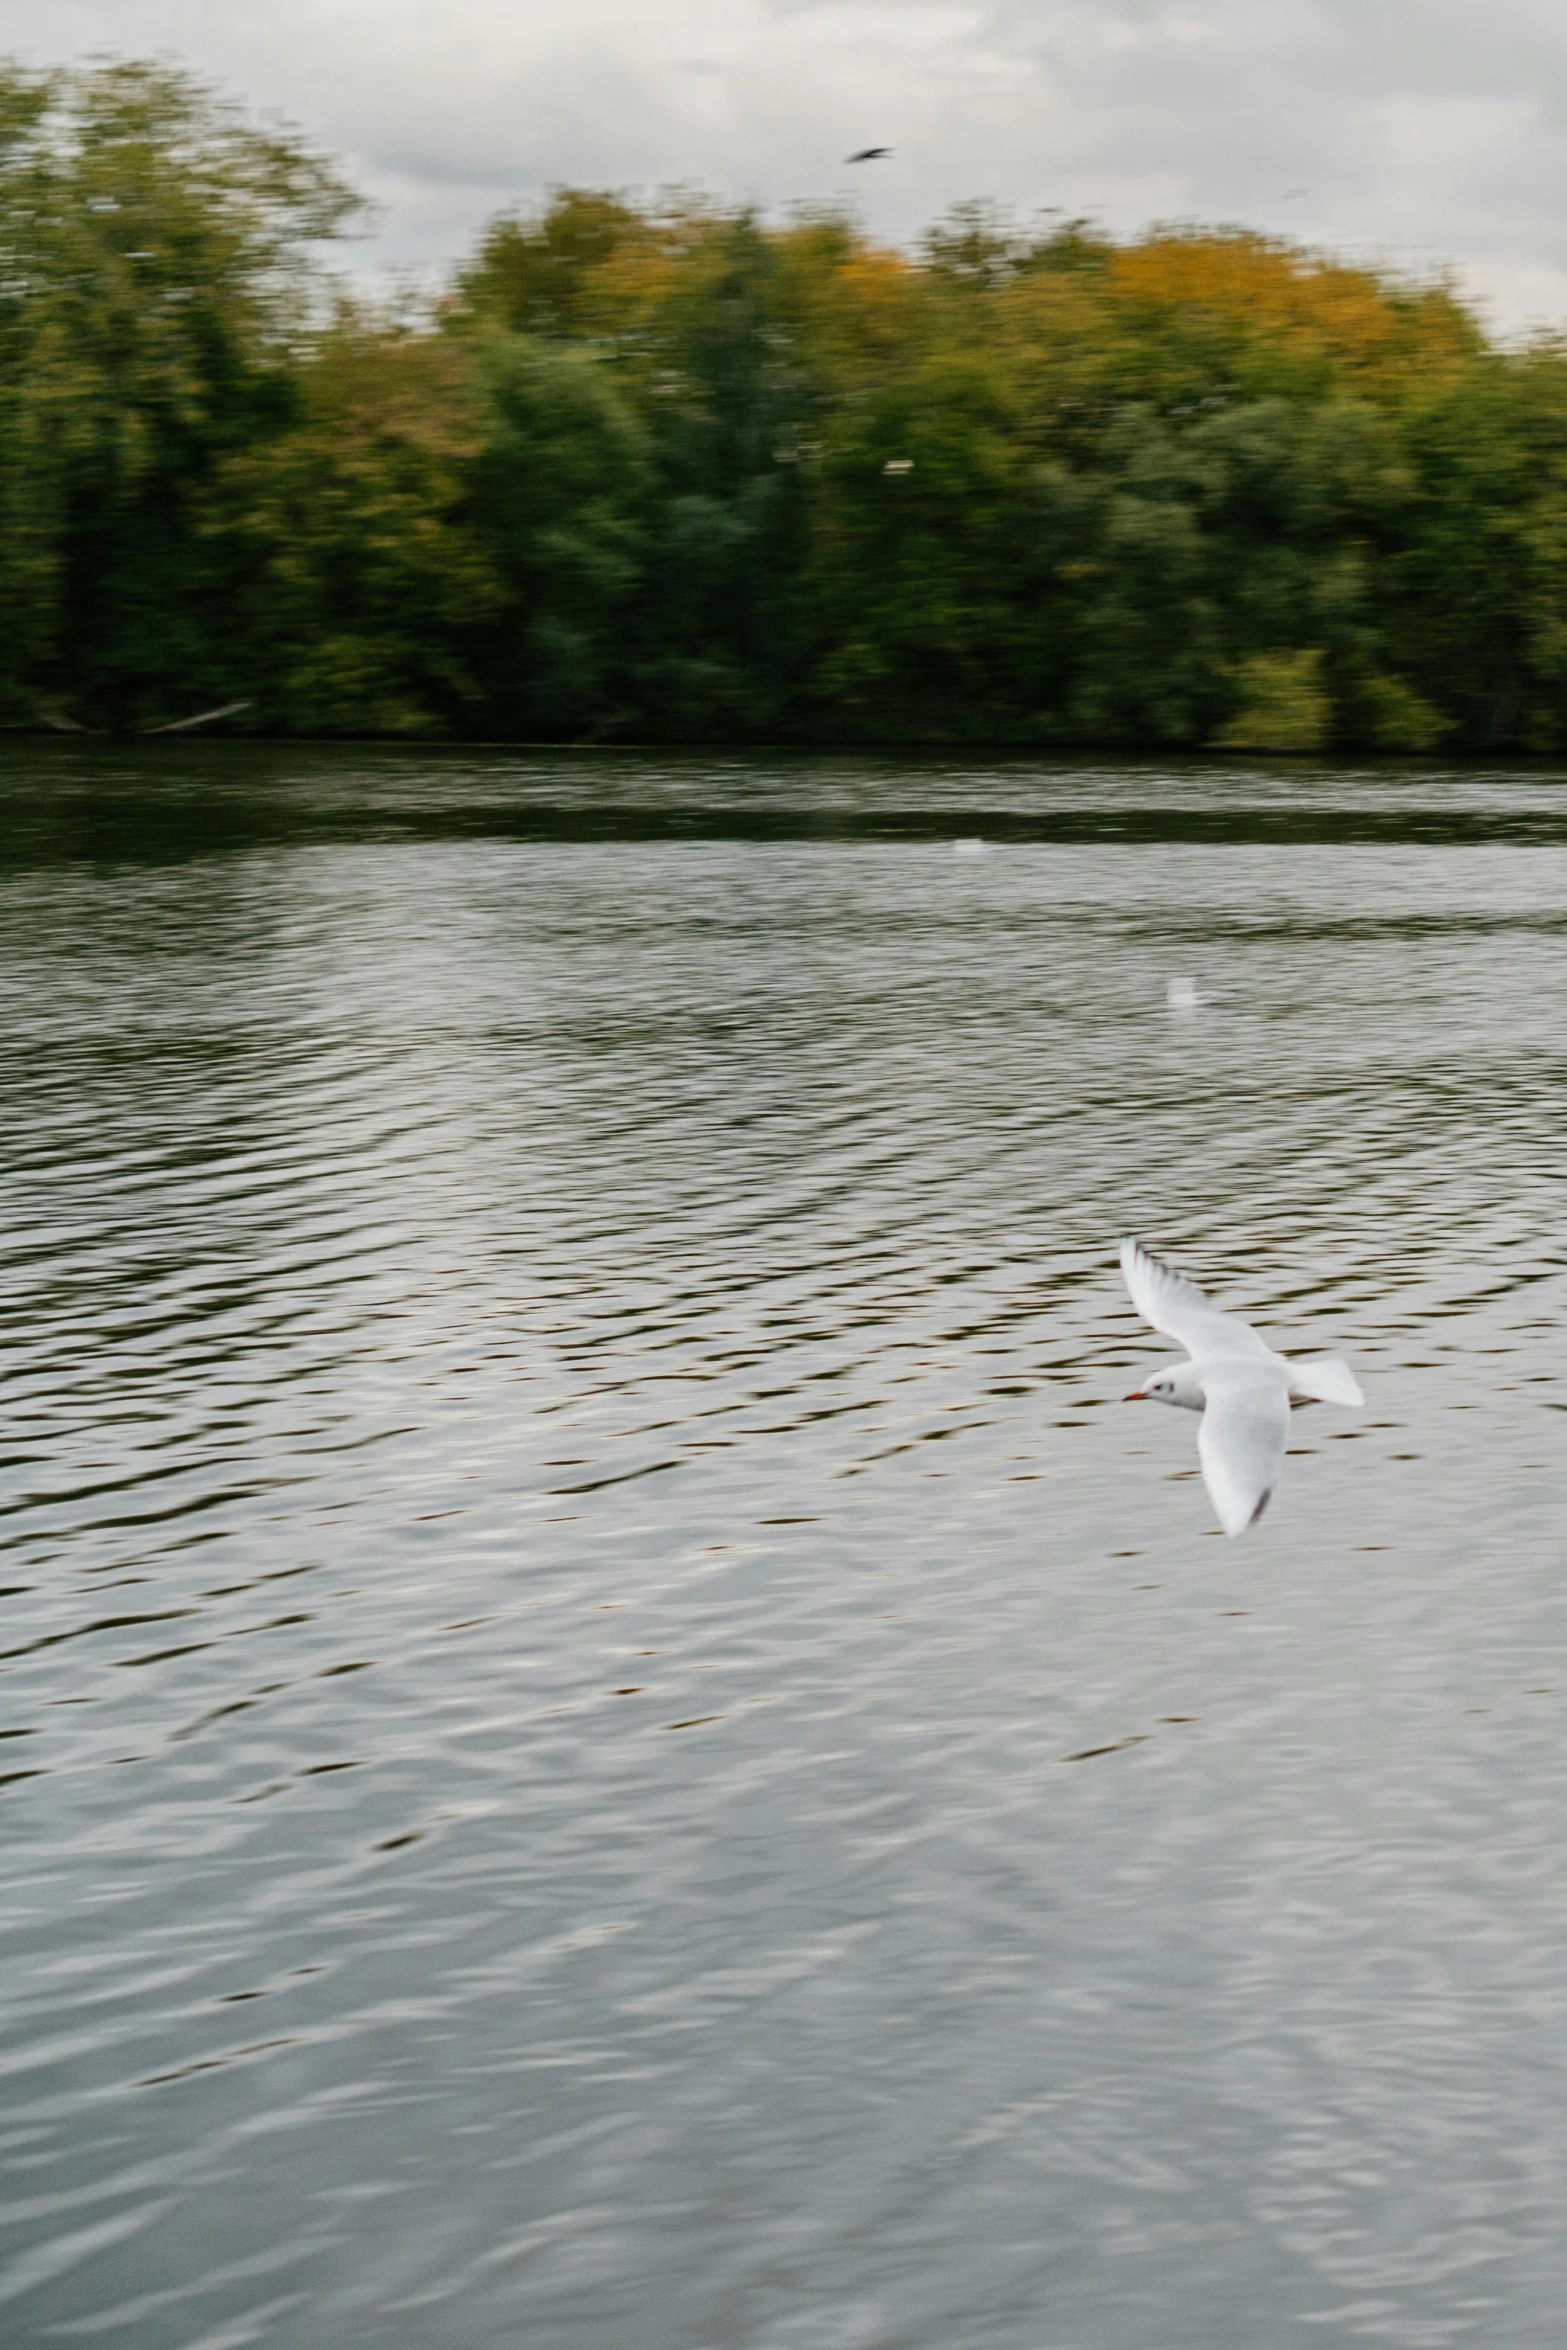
x=528 y=1819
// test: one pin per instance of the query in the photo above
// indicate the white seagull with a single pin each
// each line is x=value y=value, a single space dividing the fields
x=1234 y=1378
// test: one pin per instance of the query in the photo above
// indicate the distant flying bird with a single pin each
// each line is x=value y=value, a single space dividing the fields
x=1234 y=1378
x=868 y=155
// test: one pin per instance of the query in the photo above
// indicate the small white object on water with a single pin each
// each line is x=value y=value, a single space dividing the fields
x=1184 y=995
x=1241 y=1387
x=971 y=848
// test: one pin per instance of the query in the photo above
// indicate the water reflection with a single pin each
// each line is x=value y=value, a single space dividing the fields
x=526 y=1817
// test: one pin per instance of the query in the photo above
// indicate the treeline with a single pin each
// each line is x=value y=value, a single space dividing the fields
x=666 y=471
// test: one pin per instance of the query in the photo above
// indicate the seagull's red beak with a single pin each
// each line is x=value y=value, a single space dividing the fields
x=1136 y=1396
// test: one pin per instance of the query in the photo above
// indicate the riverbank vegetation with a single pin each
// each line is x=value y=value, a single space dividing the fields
x=661 y=470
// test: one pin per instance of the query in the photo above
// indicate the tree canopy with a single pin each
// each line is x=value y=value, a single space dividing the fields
x=663 y=469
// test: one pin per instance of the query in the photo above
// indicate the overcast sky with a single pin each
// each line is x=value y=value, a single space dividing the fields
x=1425 y=131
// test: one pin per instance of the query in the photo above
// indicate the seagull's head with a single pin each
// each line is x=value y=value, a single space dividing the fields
x=1173 y=1383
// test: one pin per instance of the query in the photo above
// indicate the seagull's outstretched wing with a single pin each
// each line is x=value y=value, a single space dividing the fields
x=1241 y=1443
x=1183 y=1311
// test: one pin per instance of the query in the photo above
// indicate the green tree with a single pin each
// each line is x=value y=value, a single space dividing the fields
x=1283 y=704
x=557 y=497
x=357 y=583
x=931 y=531
x=542 y=273
x=157 y=270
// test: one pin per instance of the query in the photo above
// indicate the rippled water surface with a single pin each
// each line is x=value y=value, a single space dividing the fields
x=613 y=1739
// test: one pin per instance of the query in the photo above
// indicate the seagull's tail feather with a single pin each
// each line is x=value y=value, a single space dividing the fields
x=1324 y=1379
